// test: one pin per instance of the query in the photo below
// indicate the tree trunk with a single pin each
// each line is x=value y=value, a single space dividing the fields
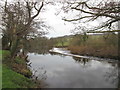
x=14 y=47
x=118 y=45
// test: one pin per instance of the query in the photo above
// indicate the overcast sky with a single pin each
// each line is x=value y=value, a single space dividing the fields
x=59 y=26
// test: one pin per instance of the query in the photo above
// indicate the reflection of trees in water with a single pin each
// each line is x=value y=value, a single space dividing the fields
x=54 y=53
x=39 y=74
x=118 y=68
x=81 y=60
x=113 y=75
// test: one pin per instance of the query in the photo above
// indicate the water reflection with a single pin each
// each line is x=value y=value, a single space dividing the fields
x=112 y=76
x=73 y=72
x=81 y=60
x=54 y=53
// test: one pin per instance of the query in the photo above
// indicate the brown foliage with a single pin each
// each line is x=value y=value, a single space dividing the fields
x=106 y=51
x=105 y=45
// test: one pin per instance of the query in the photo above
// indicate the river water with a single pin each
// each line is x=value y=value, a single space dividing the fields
x=60 y=69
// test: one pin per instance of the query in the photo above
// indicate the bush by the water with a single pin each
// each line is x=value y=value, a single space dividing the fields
x=105 y=45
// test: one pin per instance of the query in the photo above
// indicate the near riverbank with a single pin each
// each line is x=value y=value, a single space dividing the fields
x=15 y=73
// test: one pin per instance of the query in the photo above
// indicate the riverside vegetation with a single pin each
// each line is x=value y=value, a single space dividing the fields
x=16 y=74
x=18 y=23
x=100 y=45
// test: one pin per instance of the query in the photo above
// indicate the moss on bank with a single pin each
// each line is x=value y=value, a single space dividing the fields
x=0 y=75
x=0 y=69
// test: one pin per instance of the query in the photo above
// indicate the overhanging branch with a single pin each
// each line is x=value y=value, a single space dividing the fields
x=38 y=11
x=70 y=20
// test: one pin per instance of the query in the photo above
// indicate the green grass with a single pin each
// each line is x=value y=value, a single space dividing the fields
x=0 y=69
x=0 y=76
x=4 y=53
x=19 y=61
x=64 y=44
x=12 y=79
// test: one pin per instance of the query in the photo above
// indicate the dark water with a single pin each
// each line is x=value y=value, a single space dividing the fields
x=74 y=72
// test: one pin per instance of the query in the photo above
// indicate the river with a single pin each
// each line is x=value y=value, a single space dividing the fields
x=61 y=69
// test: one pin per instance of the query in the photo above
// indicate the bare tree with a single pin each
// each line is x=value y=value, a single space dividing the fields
x=18 y=22
x=90 y=10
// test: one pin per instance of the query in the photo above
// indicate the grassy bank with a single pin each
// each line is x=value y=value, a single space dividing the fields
x=14 y=73
x=0 y=70
x=11 y=79
x=0 y=76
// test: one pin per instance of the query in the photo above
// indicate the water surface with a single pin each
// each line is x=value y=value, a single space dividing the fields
x=74 y=72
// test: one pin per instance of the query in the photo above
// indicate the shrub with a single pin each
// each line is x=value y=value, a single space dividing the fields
x=96 y=45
